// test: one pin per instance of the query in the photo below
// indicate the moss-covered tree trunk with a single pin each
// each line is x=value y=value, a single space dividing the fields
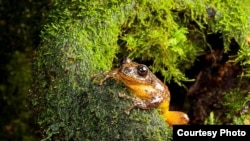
x=82 y=38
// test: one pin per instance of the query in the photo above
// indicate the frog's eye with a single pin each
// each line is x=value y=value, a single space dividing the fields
x=142 y=70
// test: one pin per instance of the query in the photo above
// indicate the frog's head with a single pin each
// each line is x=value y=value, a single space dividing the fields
x=134 y=72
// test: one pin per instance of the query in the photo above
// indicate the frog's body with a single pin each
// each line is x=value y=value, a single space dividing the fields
x=149 y=91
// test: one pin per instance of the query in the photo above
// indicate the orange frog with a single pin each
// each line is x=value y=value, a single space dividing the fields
x=149 y=92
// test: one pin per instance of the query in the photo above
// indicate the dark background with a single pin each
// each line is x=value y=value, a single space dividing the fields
x=20 y=26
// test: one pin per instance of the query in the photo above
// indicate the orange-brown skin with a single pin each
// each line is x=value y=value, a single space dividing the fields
x=149 y=91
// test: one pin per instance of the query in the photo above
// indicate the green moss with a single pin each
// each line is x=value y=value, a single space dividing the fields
x=68 y=104
x=173 y=33
x=212 y=119
x=83 y=38
x=234 y=103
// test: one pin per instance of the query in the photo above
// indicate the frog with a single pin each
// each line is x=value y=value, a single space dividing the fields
x=148 y=91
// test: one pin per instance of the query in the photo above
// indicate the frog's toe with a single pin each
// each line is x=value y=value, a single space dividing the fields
x=127 y=112
x=122 y=95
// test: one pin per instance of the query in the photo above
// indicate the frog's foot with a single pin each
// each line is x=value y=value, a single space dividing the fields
x=176 y=118
x=100 y=82
x=107 y=74
x=122 y=95
x=136 y=103
x=96 y=76
x=129 y=109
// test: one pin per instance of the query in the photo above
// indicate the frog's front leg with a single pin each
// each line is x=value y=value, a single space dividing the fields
x=107 y=74
x=143 y=104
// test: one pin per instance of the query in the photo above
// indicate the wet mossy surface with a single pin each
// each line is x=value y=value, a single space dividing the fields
x=67 y=102
x=70 y=105
x=81 y=38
